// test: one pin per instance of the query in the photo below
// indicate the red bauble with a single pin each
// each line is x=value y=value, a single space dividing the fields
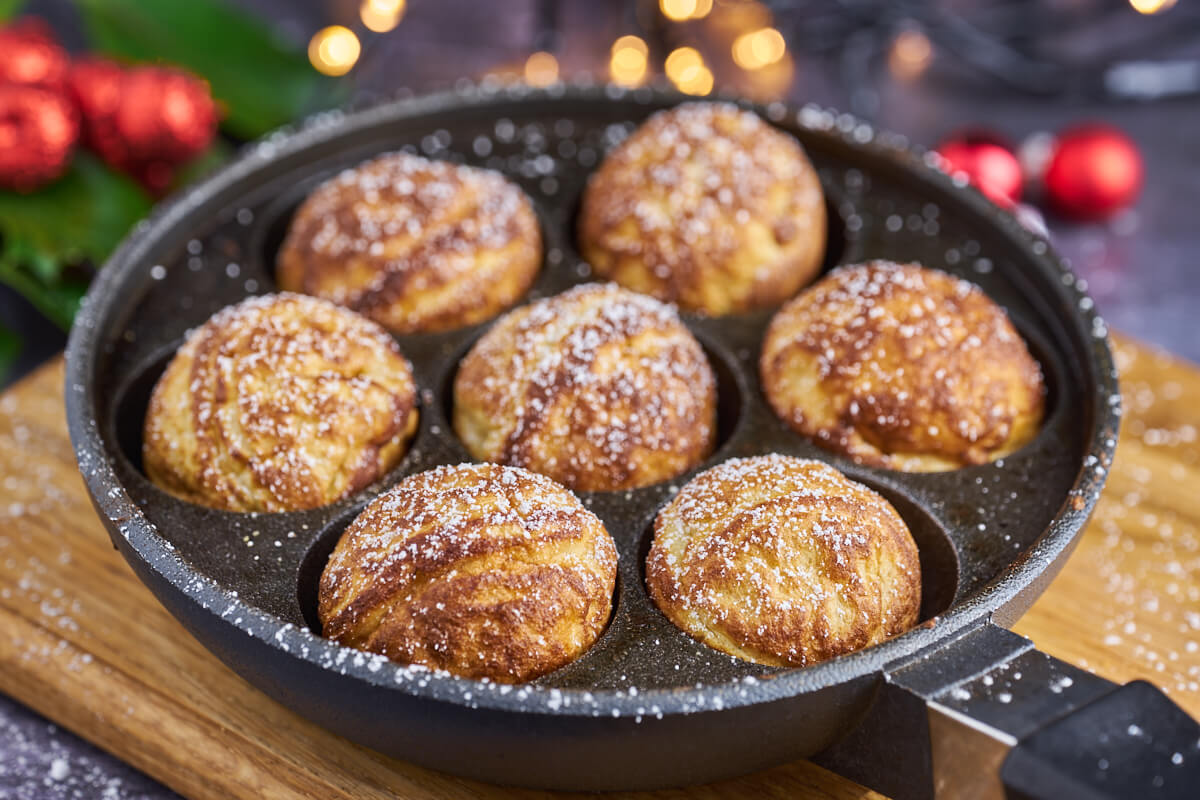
x=165 y=115
x=145 y=121
x=987 y=162
x=1095 y=171
x=30 y=55
x=95 y=83
x=38 y=130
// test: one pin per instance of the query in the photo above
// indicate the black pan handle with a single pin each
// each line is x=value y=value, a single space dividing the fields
x=987 y=716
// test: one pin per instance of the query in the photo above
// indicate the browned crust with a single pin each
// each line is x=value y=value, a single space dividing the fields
x=708 y=207
x=416 y=245
x=481 y=570
x=599 y=388
x=783 y=561
x=281 y=402
x=903 y=367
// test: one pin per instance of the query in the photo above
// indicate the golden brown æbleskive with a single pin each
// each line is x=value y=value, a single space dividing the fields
x=280 y=402
x=599 y=387
x=482 y=570
x=706 y=206
x=903 y=367
x=783 y=561
x=414 y=244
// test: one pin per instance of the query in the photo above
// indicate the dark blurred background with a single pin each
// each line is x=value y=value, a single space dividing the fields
x=1017 y=70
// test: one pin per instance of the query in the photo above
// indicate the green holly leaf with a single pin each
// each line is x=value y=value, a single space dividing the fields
x=10 y=347
x=9 y=8
x=261 y=80
x=77 y=219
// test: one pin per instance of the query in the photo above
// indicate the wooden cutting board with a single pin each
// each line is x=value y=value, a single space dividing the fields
x=85 y=644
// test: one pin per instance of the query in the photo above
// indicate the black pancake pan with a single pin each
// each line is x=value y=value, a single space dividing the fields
x=646 y=706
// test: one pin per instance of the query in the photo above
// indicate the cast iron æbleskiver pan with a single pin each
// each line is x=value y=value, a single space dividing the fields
x=646 y=706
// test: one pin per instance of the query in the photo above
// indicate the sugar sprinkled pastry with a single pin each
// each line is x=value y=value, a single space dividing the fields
x=903 y=367
x=481 y=570
x=278 y=403
x=783 y=561
x=599 y=387
x=414 y=244
x=706 y=206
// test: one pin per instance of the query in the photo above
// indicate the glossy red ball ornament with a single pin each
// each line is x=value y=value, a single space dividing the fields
x=30 y=55
x=95 y=85
x=1094 y=172
x=165 y=115
x=987 y=162
x=145 y=121
x=38 y=130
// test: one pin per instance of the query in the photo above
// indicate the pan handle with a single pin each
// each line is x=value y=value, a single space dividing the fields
x=1005 y=720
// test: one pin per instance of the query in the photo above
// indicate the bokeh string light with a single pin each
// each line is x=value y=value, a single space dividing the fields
x=381 y=16
x=910 y=54
x=758 y=49
x=1151 y=6
x=541 y=69
x=334 y=50
x=628 y=62
x=680 y=10
x=686 y=69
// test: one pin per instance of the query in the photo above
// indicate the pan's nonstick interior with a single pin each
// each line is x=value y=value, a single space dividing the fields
x=970 y=524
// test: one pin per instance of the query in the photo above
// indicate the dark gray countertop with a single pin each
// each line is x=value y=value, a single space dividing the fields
x=1140 y=268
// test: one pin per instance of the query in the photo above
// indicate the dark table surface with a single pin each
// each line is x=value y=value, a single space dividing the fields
x=1140 y=267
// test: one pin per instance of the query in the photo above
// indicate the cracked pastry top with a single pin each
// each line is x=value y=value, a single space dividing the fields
x=708 y=207
x=481 y=570
x=414 y=244
x=783 y=561
x=902 y=367
x=278 y=403
x=599 y=387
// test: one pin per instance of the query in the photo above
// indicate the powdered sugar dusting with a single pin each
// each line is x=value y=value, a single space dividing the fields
x=483 y=570
x=279 y=402
x=783 y=561
x=708 y=206
x=902 y=366
x=598 y=387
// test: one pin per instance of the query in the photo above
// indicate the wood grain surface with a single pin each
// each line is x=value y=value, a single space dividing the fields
x=85 y=644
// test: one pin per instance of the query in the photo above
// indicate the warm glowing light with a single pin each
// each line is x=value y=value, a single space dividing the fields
x=627 y=65
x=682 y=63
x=677 y=10
x=1151 y=6
x=541 y=69
x=633 y=43
x=334 y=50
x=731 y=19
x=381 y=16
x=759 y=48
x=910 y=54
x=685 y=67
x=699 y=83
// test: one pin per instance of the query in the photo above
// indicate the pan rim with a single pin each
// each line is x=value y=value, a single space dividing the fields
x=1022 y=575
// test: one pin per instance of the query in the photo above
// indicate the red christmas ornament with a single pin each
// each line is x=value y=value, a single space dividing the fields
x=95 y=84
x=987 y=162
x=1095 y=171
x=38 y=129
x=30 y=55
x=145 y=121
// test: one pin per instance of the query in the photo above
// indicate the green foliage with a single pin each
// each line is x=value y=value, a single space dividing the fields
x=261 y=81
x=79 y=218
x=10 y=345
x=8 y=10
x=52 y=239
